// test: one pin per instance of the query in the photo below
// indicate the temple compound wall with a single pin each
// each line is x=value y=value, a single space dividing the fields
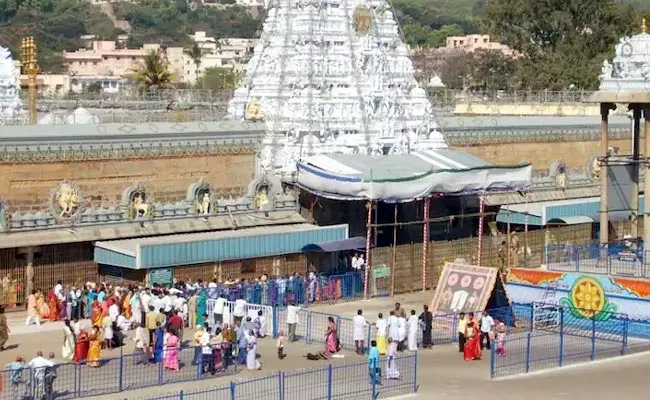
x=64 y=187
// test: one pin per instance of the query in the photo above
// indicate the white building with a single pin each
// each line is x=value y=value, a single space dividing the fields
x=221 y=53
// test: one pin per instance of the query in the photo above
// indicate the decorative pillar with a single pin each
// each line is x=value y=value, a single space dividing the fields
x=481 y=212
x=604 y=148
x=646 y=156
x=393 y=269
x=29 y=273
x=425 y=242
x=30 y=68
x=636 y=138
x=368 y=264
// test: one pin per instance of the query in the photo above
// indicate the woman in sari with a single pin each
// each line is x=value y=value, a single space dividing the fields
x=170 y=360
x=331 y=338
x=95 y=348
x=96 y=313
x=251 y=355
x=201 y=307
x=159 y=339
x=126 y=305
x=41 y=305
x=67 y=352
x=81 y=347
x=53 y=303
x=472 y=350
x=500 y=338
x=216 y=342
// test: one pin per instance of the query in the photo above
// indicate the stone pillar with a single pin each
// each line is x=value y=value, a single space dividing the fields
x=636 y=138
x=604 y=146
x=29 y=273
x=646 y=156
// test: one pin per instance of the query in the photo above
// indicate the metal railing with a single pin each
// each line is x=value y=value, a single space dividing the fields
x=554 y=336
x=180 y=105
x=350 y=380
x=595 y=259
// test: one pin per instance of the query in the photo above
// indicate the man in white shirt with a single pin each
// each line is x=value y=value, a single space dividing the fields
x=113 y=311
x=292 y=320
x=40 y=365
x=382 y=331
x=361 y=263
x=487 y=324
x=393 y=327
x=167 y=303
x=58 y=291
x=355 y=262
x=239 y=311
x=218 y=310
x=145 y=297
x=360 y=332
x=206 y=349
x=413 y=325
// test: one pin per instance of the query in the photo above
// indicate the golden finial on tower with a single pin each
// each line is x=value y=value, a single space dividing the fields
x=644 y=26
x=30 y=68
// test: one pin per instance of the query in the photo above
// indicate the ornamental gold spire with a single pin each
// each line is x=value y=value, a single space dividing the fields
x=644 y=26
x=30 y=68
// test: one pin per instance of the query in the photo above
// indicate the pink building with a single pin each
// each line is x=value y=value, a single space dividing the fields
x=475 y=42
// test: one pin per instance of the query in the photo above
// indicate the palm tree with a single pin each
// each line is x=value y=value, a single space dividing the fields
x=153 y=73
x=196 y=54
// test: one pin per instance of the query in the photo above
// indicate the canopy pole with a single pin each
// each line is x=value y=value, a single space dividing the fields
x=368 y=236
x=481 y=208
x=526 y=231
x=392 y=272
x=425 y=242
x=509 y=250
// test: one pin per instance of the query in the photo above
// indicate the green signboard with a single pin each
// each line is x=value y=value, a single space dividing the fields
x=381 y=272
x=161 y=277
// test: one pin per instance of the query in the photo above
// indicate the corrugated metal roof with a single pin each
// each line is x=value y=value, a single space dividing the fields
x=172 y=250
x=130 y=246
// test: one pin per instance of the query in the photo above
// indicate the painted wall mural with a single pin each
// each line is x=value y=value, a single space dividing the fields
x=598 y=296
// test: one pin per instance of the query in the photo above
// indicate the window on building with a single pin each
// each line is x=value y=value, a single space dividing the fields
x=248 y=266
x=485 y=40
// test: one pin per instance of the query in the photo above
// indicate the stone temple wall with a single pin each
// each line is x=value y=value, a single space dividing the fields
x=27 y=186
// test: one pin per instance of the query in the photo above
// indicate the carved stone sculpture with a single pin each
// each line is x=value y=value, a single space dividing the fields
x=68 y=200
x=203 y=205
x=139 y=206
x=10 y=104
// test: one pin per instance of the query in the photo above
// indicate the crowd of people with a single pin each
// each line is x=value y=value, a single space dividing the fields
x=476 y=335
x=158 y=317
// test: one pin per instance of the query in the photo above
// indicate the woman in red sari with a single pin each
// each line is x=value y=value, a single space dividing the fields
x=55 y=307
x=472 y=349
x=82 y=344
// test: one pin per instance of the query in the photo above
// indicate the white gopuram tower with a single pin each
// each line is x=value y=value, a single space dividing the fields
x=333 y=76
x=10 y=104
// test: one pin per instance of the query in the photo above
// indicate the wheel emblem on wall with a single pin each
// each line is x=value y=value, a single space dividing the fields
x=65 y=202
x=587 y=299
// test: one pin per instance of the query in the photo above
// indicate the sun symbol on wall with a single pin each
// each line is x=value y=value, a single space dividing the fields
x=587 y=299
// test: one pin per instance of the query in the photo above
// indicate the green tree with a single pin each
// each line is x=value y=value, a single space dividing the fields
x=560 y=42
x=195 y=53
x=492 y=70
x=221 y=78
x=153 y=73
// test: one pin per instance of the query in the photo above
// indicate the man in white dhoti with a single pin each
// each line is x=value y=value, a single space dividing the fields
x=401 y=333
x=393 y=327
x=413 y=325
x=360 y=331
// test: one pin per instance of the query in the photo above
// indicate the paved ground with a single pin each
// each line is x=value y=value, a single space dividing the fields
x=441 y=371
